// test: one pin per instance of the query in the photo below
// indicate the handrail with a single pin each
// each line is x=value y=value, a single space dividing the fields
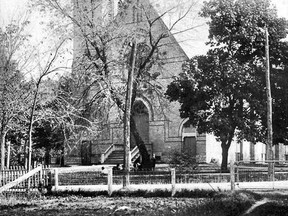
x=20 y=179
x=109 y=149
x=106 y=154
x=134 y=153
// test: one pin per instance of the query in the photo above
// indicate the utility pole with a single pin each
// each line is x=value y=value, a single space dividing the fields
x=269 y=109
x=127 y=116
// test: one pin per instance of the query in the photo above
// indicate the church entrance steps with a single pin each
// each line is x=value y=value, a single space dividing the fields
x=116 y=157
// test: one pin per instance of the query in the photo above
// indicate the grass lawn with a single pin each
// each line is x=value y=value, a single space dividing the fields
x=196 y=203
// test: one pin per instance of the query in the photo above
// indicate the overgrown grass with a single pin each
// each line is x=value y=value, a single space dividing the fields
x=274 y=195
x=196 y=193
x=15 y=200
x=221 y=204
x=271 y=209
x=204 y=202
x=139 y=193
x=77 y=193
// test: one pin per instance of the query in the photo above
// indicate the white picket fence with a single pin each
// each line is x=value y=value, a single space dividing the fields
x=20 y=179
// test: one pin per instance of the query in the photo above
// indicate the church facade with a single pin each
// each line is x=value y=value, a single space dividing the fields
x=157 y=120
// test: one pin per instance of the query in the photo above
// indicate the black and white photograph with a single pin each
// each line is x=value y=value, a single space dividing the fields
x=144 y=107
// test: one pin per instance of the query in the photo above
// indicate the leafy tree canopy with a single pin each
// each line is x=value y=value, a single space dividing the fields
x=223 y=92
x=236 y=28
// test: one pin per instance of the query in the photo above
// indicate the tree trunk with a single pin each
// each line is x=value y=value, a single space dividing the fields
x=30 y=147
x=140 y=144
x=26 y=154
x=269 y=110
x=146 y=162
x=127 y=116
x=31 y=117
x=225 y=149
x=2 y=140
x=8 y=154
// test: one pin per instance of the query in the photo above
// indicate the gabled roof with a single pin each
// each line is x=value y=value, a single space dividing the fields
x=153 y=14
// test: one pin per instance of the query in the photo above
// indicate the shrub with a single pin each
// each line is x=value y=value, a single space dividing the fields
x=197 y=193
x=182 y=160
x=142 y=193
x=77 y=193
x=220 y=204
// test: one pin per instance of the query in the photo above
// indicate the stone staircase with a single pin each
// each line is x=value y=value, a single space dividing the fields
x=116 y=157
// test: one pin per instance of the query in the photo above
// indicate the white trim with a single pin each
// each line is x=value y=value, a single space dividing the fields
x=182 y=135
x=148 y=106
x=188 y=135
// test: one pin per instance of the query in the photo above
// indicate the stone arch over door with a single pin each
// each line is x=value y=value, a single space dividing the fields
x=140 y=114
x=186 y=129
x=192 y=141
x=189 y=138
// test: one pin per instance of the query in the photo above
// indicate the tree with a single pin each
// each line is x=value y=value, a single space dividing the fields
x=45 y=70
x=106 y=60
x=224 y=92
x=65 y=120
x=14 y=89
x=26 y=102
x=222 y=98
x=50 y=137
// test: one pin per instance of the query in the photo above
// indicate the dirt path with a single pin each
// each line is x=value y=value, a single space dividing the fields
x=256 y=205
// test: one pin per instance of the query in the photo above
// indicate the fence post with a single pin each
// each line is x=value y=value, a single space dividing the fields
x=41 y=171
x=232 y=175
x=273 y=174
x=173 y=181
x=41 y=182
x=28 y=180
x=237 y=174
x=110 y=181
x=56 y=179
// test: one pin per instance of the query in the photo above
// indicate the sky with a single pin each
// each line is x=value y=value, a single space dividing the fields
x=193 y=43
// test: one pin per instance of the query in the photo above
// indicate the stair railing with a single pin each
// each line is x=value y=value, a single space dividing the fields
x=106 y=154
x=135 y=153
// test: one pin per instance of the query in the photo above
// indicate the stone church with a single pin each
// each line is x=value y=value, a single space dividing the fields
x=157 y=120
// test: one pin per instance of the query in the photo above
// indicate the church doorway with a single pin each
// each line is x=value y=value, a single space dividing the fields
x=86 y=153
x=189 y=146
x=189 y=140
x=140 y=115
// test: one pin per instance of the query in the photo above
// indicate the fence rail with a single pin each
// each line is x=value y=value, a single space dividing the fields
x=254 y=175
x=242 y=175
x=39 y=178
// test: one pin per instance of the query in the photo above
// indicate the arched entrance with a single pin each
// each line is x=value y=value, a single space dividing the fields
x=140 y=115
